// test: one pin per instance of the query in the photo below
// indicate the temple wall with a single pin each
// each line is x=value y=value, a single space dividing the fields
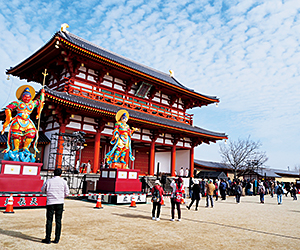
x=164 y=159
x=182 y=160
x=142 y=160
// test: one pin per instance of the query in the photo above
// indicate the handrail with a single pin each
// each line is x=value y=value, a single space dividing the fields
x=129 y=102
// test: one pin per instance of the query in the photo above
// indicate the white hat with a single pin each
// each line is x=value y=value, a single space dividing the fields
x=196 y=182
x=157 y=182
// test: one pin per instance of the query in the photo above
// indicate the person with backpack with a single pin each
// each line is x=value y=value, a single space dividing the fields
x=157 y=199
x=176 y=197
x=261 y=190
x=279 y=192
x=294 y=192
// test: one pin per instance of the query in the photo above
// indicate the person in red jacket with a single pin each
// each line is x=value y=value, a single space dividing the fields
x=157 y=199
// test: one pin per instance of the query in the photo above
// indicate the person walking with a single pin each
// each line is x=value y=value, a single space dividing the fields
x=223 y=189
x=216 y=192
x=279 y=192
x=272 y=187
x=56 y=189
x=238 y=192
x=157 y=199
x=195 y=196
x=261 y=190
x=176 y=197
x=210 y=188
x=294 y=191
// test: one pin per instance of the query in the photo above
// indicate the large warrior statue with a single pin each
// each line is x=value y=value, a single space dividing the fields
x=121 y=140
x=22 y=130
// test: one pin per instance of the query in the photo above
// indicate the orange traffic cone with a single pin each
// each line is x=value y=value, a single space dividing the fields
x=99 y=205
x=133 y=204
x=10 y=205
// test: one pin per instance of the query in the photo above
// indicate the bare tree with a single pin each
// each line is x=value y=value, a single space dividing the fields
x=243 y=156
x=297 y=168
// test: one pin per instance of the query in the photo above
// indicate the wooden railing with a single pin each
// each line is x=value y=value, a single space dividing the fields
x=142 y=105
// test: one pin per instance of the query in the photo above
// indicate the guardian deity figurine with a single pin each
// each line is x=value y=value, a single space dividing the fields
x=22 y=130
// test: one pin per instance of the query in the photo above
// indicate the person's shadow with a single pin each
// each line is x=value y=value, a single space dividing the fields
x=19 y=235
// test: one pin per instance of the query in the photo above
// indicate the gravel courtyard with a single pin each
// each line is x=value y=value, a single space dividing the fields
x=247 y=225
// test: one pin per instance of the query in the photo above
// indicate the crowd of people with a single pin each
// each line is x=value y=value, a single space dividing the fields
x=218 y=188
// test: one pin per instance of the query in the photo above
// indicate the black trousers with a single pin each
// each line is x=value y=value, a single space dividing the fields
x=192 y=201
x=173 y=204
x=223 y=194
x=56 y=209
x=158 y=205
x=238 y=198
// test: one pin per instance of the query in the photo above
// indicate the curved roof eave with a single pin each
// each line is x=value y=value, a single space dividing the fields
x=100 y=51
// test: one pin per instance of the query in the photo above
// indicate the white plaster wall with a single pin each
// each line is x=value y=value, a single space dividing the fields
x=89 y=128
x=164 y=159
x=182 y=160
x=75 y=125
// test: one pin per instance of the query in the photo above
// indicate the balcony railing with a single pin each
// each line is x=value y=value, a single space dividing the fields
x=134 y=103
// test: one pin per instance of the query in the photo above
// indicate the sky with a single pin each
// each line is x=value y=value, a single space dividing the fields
x=245 y=52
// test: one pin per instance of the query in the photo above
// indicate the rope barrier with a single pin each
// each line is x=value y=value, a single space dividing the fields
x=81 y=195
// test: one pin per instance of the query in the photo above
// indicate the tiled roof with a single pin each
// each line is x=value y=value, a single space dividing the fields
x=134 y=114
x=212 y=175
x=268 y=173
x=84 y=44
x=43 y=139
x=211 y=164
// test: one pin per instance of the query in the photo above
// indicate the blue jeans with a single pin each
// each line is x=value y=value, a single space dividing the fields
x=262 y=198
x=279 y=198
x=209 y=197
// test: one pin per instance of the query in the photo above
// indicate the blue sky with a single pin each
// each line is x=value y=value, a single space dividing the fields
x=246 y=52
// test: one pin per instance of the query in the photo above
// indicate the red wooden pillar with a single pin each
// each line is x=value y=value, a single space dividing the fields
x=192 y=162
x=60 y=147
x=152 y=158
x=173 y=160
x=97 y=152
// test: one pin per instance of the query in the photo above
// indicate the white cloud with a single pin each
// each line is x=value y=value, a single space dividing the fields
x=245 y=51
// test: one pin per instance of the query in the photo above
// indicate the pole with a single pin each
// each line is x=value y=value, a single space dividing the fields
x=157 y=171
x=39 y=120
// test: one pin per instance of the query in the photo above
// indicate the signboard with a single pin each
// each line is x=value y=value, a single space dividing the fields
x=24 y=201
x=122 y=175
x=112 y=174
x=126 y=198
x=104 y=174
x=12 y=169
x=132 y=175
x=30 y=170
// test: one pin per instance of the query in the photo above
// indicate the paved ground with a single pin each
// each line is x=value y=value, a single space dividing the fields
x=228 y=225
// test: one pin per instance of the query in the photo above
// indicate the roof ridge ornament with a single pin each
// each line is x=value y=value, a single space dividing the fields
x=171 y=73
x=64 y=27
